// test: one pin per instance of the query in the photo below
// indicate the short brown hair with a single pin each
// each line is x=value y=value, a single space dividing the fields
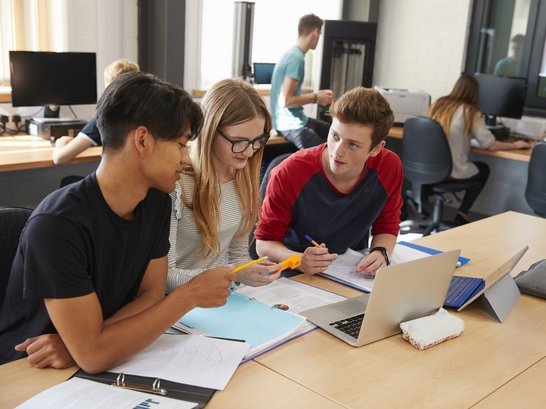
x=118 y=67
x=365 y=106
x=308 y=23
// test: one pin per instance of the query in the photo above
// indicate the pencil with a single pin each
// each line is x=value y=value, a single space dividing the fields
x=250 y=263
x=313 y=242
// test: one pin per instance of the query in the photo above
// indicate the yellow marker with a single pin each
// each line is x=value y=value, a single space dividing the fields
x=291 y=262
x=250 y=263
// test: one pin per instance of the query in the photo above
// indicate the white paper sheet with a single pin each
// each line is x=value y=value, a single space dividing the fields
x=293 y=295
x=79 y=393
x=343 y=270
x=190 y=359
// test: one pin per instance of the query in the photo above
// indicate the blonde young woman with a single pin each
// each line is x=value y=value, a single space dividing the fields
x=216 y=202
x=461 y=119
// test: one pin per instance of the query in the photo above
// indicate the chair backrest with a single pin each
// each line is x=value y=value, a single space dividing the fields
x=276 y=161
x=12 y=221
x=426 y=156
x=263 y=188
x=535 y=192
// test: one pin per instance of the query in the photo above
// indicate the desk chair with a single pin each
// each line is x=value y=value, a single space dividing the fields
x=263 y=187
x=12 y=221
x=426 y=160
x=535 y=192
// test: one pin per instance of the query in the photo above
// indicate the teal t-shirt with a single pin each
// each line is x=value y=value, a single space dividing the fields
x=292 y=64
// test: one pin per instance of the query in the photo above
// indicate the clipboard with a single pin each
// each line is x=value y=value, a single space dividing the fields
x=154 y=386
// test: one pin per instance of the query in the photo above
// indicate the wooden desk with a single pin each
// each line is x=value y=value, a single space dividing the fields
x=522 y=155
x=252 y=386
x=22 y=152
x=458 y=373
x=524 y=391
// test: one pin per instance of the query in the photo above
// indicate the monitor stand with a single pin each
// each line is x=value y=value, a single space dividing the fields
x=52 y=111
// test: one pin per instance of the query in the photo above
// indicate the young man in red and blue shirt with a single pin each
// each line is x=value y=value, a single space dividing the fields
x=336 y=192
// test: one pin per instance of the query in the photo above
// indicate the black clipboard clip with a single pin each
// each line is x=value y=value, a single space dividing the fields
x=155 y=388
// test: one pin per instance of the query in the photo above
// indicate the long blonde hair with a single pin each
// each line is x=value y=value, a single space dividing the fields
x=229 y=102
x=465 y=92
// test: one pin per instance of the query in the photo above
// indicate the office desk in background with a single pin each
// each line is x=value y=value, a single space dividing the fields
x=505 y=188
x=489 y=362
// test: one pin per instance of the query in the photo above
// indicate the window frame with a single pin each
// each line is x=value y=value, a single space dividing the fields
x=532 y=51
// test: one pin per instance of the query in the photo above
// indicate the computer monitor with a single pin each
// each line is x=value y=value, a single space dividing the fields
x=501 y=97
x=52 y=79
x=263 y=71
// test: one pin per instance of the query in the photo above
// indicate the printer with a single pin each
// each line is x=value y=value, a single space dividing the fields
x=405 y=103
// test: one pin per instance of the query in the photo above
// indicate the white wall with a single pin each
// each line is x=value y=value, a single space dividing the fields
x=421 y=44
x=107 y=27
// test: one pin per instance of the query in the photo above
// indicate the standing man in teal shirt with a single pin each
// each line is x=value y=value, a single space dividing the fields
x=286 y=98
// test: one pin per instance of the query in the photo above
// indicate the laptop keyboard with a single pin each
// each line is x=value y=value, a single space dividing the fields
x=350 y=325
x=461 y=289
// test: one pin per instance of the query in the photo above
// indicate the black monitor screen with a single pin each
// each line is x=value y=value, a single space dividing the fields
x=501 y=96
x=48 y=78
x=263 y=71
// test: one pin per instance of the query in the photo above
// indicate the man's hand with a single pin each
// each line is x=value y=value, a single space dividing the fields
x=325 y=97
x=259 y=274
x=46 y=350
x=63 y=141
x=211 y=287
x=522 y=145
x=316 y=259
x=371 y=263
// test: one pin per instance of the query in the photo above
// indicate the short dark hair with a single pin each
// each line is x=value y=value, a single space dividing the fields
x=308 y=23
x=365 y=106
x=134 y=99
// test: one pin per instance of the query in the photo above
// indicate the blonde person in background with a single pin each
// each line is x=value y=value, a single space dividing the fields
x=216 y=202
x=68 y=147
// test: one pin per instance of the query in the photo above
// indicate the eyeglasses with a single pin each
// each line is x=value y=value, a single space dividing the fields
x=241 y=146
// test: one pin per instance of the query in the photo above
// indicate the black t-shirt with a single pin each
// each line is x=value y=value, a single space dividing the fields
x=72 y=245
x=92 y=131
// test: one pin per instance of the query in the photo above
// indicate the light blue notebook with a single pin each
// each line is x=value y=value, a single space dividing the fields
x=243 y=318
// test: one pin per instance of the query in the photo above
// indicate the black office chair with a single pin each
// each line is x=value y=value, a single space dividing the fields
x=12 y=221
x=263 y=187
x=535 y=192
x=426 y=160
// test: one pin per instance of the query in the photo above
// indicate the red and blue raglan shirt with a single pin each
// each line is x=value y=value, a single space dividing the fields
x=301 y=200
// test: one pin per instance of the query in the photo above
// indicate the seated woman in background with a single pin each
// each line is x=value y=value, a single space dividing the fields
x=68 y=147
x=216 y=202
x=461 y=119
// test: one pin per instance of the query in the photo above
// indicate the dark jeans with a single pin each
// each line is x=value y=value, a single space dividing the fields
x=313 y=134
x=471 y=195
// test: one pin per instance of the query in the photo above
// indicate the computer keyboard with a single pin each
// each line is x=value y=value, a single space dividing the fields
x=350 y=325
x=461 y=289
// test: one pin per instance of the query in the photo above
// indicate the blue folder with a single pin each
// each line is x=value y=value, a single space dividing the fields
x=247 y=319
x=461 y=262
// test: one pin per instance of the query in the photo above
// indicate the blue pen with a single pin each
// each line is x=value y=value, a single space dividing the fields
x=310 y=239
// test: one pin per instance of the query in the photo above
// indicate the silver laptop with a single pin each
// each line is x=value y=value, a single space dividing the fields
x=401 y=292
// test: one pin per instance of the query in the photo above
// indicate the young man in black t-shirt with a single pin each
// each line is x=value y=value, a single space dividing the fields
x=88 y=281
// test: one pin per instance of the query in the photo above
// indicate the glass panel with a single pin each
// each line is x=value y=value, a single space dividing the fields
x=347 y=68
x=502 y=37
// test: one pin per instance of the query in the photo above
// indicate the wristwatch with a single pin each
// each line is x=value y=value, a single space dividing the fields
x=383 y=251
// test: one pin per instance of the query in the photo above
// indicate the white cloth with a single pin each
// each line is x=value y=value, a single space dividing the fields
x=185 y=258
x=426 y=332
x=459 y=143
